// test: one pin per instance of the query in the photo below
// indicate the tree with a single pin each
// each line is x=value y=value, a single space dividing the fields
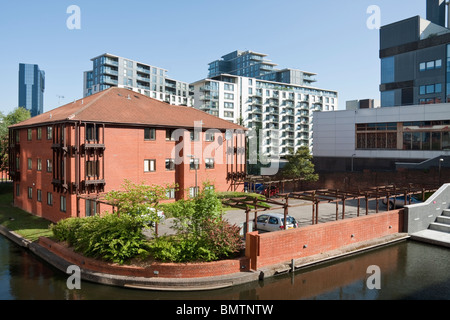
x=300 y=166
x=17 y=115
x=140 y=201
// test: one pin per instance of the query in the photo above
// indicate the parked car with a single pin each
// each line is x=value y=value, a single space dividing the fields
x=267 y=191
x=274 y=222
x=160 y=213
x=400 y=201
x=249 y=187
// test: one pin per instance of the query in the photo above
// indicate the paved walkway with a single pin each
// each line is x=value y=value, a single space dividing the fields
x=303 y=214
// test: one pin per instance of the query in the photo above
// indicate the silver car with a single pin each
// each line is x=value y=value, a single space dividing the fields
x=274 y=222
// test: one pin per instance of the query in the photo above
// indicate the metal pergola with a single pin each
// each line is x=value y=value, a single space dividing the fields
x=313 y=198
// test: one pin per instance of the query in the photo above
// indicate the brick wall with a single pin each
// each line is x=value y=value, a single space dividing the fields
x=369 y=179
x=278 y=247
x=164 y=270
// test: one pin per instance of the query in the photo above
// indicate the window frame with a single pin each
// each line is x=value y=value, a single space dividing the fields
x=149 y=165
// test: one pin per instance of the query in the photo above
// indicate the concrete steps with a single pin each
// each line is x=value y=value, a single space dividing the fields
x=442 y=223
x=438 y=232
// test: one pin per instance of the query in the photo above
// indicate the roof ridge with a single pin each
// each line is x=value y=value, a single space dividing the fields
x=73 y=115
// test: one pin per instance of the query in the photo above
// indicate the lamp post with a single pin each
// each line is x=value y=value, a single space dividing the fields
x=195 y=167
x=440 y=165
x=353 y=157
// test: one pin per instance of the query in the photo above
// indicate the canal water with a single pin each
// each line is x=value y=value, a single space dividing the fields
x=408 y=271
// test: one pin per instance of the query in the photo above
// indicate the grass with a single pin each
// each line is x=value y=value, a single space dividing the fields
x=23 y=223
x=249 y=196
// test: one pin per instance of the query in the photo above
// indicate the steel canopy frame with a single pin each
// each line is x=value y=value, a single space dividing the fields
x=315 y=197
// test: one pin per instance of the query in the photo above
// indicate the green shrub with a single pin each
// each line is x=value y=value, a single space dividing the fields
x=218 y=240
x=111 y=237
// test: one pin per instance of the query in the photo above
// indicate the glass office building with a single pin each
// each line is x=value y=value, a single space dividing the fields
x=31 y=88
x=414 y=59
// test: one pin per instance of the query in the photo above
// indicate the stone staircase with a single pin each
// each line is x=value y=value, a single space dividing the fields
x=438 y=232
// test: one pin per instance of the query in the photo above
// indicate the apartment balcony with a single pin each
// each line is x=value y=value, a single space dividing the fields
x=256 y=110
x=208 y=106
x=111 y=62
x=266 y=67
x=143 y=70
x=309 y=79
x=108 y=70
x=143 y=86
x=141 y=78
x=272 y=126
x=206 y=88
x=109 y=80
x=206 y=97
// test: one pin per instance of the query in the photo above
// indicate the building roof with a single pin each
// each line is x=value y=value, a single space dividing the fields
x=125 y=107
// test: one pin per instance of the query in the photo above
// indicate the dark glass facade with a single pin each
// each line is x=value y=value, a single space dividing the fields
x=31 y=88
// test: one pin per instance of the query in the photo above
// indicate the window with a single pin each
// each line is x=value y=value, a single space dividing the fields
x=92 y=132
x=49 y=133
x=376 y=136
x=39 y=133
x=91 y=208
x=209 y=163
x=29 y=134
x=430 y=65
x=170 y=135
x=62 y=206
x=170 y=194
x=149 y=165
x=228 y=114
x=438 y=88
x=195 y=135
x=209 y=137
x=17 y=190
x=149 y=134
x=388 y=70
x=170 y=164
x=228 y=87
x=430 y=89
x=229 y=96
x=49 y=165
x=30 y=193
x=49 y=198
x=39 y=195
x=194 y=164
x=193 y=192
x=30 y=164
x=92 y=168
x=228 y=105
x=39 y=164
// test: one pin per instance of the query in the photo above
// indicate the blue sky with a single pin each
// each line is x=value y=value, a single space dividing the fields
x=327 y=37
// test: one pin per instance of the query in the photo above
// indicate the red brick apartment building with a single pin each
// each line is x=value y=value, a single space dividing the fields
x=62 y=161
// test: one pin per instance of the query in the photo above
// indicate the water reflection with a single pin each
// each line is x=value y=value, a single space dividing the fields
x=409 y=270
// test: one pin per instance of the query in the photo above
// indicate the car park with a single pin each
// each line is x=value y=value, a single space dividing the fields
x=148 y=215
x=399 y=202
x=274 y=222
